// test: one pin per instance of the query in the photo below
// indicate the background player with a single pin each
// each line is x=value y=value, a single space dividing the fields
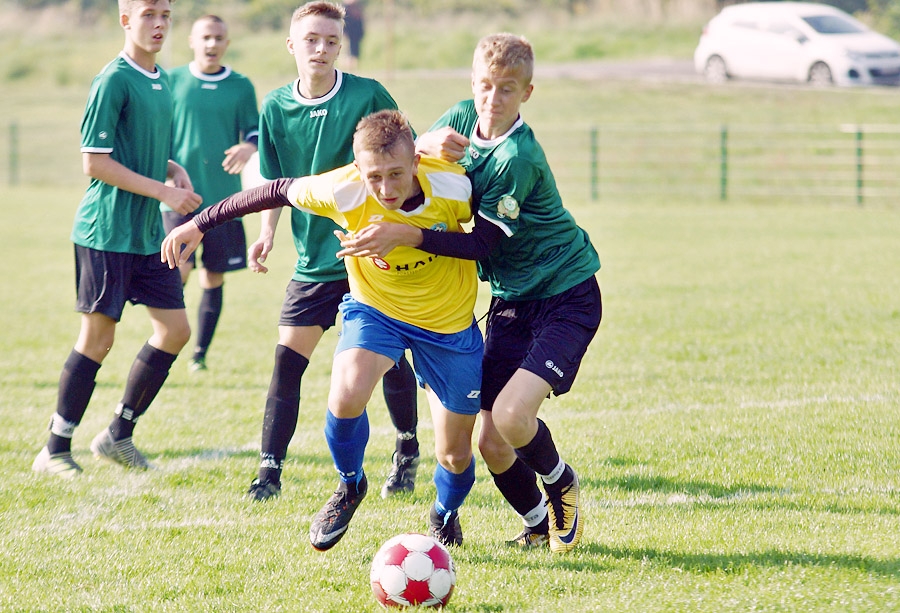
x=405 y=301
x=116 y=234
x=546 y=304
x=214 y=134
x=306 y=128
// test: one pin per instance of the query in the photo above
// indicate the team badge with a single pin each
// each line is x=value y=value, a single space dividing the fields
x=439 y=227
x=508 y=207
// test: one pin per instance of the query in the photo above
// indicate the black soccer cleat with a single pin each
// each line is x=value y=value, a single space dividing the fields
x=445 y=528
x=330 y=524
x=260 y=491
x=402 y=478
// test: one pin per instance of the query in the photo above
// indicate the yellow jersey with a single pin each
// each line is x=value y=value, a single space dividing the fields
x=432 y=292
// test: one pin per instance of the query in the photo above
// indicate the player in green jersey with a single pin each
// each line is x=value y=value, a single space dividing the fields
x=546 y=304
x=306 y=128
x=125 y=145
x=214 y=135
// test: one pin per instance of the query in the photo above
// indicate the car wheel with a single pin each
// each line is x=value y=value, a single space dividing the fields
x=716 y=71
x=820 y=75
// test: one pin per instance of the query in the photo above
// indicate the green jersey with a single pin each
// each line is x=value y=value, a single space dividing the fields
x=213 y=112
x=544 y=252
x=299 y=137
x=129 y=116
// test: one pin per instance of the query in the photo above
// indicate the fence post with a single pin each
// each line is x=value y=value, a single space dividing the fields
x=13 y=153
x=859 y=165
x=723 y=163
x=595 y=178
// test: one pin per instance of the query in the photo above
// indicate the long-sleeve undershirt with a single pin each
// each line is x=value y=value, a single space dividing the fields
x=272 y=195
x=474 y=245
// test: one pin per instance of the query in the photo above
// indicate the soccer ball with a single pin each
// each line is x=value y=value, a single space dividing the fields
x=413 y=569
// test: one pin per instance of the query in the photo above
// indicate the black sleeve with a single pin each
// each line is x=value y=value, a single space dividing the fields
x=474 y=245
x=269 y=196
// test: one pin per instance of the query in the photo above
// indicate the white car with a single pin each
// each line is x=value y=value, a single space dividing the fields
x=795 y=41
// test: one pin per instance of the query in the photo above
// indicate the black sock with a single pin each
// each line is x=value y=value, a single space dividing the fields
x=282 y=412
x=400 y=396
x=148 y=373
x=76 y=385
x=518 y=484
x=207 y=319
x=540 y=454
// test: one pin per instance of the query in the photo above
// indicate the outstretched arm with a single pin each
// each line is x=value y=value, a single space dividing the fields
x=183 y=240
x=380 y=239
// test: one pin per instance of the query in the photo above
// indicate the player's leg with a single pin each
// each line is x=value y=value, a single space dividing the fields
x=562 y=327
x=224 y=250
x=157 y=287
x=99 y=279
x=400 y=395
x=355 y=374
x=309 y=309
x=506 y=346
x=454 y=474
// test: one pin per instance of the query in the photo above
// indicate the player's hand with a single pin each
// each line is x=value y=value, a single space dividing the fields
x=236 y=157
x=258 y=252
x=182 y=200
x=180 y=244
x=445 y=143
x=378 y=240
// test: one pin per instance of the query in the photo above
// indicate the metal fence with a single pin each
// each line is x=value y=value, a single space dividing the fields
x=834 y=164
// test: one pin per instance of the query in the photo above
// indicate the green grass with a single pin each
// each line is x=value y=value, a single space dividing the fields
x=734 y=424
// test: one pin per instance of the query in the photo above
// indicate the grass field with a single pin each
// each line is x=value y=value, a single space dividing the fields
x=735 y=426
x=736 y=423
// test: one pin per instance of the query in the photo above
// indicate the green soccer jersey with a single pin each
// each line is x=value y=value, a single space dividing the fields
x=544 y=252
x=129 y=116
x=299 y=137
x=213 y=112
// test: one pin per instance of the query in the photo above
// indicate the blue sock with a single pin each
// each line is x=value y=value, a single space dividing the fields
x=452 y=489
x=347 y=440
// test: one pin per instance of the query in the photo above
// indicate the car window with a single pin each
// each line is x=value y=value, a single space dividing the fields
x=833 y=24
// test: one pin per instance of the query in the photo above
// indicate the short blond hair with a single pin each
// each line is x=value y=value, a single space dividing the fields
x=382 y=132
x=125 y=6
x=504 y=52
x=328 y=10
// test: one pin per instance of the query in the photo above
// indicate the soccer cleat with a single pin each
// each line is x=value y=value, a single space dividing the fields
x=121 y=452
x=261 y=491
x=197 y=364
x=565 y=522
x=59 y=464
x=330 y=524
x=402 y=477
x=530 y=540
x=446 y=528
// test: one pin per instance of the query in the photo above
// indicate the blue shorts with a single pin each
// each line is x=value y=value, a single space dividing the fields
x=224 y=247
x=312 y=304
x=547 y=337
x=449 y=363
x=106 y=280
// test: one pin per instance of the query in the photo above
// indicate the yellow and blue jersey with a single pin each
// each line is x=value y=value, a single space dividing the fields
x=432 y=292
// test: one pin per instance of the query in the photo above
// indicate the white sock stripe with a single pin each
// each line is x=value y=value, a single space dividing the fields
x=536 y=515
x=554 y=476
x=62 y=427
x=126 y=413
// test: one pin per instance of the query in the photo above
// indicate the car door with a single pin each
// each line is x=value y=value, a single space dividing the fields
x=782 y=51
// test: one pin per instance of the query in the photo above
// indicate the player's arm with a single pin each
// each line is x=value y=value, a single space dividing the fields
x=103 y=167
x=237 y=156
x=445 y=143
x=380 y=239
x=183 y=240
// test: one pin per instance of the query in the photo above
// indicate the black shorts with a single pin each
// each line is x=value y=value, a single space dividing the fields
x=105 y=281
x=547 y=337
x=224 y=247
x=312 y=304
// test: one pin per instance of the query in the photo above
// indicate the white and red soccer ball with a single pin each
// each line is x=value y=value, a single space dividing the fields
x=413 y=569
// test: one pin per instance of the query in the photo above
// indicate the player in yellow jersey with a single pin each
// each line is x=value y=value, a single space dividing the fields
x=406 y=300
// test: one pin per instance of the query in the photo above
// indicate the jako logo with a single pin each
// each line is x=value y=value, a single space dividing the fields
x=318 y=113
x=549 y=364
